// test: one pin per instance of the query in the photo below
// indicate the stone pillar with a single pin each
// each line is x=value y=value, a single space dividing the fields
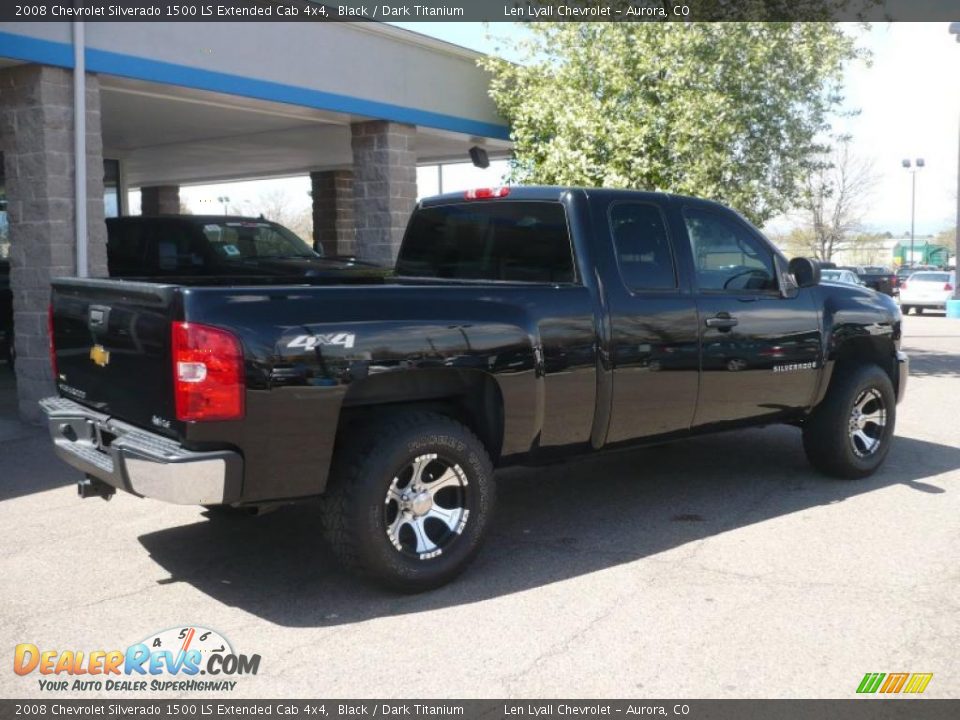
x=333 y=227
x=384 y=186
x=160 y=200
x=36 y=139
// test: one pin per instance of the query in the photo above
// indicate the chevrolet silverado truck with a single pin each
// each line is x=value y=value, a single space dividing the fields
x=520 y=324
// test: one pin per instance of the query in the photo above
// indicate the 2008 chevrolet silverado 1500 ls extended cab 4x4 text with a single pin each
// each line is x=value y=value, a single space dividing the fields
x=520 y=325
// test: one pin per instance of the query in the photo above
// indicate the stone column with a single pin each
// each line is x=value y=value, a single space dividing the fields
x=333 y=227
x=384 y=186
x=36 y=139
x=160 y=200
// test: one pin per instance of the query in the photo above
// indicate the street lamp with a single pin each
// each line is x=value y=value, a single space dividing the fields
x=224 y=200
x=913 y=168
x=953 y=306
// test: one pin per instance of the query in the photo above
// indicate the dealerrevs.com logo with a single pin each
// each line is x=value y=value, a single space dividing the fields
x=179 y=659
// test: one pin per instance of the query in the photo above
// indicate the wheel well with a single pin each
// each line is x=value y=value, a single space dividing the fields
x=859 y=351
x=468 y=396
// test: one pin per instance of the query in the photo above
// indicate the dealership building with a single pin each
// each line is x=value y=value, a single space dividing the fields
x=154 y=106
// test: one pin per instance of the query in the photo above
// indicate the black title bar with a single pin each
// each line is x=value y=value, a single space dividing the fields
x=478 y=10
x=213 y=708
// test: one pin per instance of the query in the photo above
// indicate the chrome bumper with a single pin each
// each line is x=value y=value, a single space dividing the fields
x=903 y=365
x=140 y=462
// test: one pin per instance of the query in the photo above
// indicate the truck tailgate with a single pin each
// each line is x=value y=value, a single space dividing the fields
x=112 y=341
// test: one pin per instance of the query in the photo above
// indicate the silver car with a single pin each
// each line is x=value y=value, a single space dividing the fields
x=847 y=277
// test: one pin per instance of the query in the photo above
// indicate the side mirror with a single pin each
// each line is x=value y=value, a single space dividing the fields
x=806 y=271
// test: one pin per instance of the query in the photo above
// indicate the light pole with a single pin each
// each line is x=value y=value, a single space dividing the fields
x=224 y=200
x=953 y=306
x=913 y=168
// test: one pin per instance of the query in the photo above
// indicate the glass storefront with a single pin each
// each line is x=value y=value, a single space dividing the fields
x=112 y=198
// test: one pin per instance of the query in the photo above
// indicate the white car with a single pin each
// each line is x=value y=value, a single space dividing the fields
x=927 y=290
x=847 y=277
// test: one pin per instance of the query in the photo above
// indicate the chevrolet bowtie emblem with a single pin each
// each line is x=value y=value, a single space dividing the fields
x=100 y=355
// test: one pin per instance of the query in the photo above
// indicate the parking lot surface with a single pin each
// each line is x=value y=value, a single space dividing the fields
x=716 y=567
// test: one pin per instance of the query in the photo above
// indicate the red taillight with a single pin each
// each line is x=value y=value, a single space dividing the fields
x=207 y=373
x=903 y=284
x=486 y=193
x=948 y=287
x=52 y=344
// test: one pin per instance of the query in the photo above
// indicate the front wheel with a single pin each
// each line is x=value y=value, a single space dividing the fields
x=904 y=309
x=409 y=503
x=849 y=434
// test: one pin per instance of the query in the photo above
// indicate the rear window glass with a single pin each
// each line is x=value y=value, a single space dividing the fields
x=497 y=240
x=931 y=277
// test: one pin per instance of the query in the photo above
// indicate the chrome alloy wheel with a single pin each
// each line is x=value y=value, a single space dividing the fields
x=425 y=508
x=867 y=421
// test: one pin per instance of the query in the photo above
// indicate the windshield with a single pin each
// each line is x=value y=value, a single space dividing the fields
x=237 y=240
x=940 y=277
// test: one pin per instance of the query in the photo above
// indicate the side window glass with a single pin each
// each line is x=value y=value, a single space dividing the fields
x=173 y=250
x=727 y=257
x=642 y=247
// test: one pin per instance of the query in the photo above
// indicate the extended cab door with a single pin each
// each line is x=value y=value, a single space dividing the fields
x=760 y=351
x=652 y=316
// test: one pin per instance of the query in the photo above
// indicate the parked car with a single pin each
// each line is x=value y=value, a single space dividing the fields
x=847 y=277
x=875 y=277
x=927 y=290
x=521 y=325
x=214 y=245
x=6 y=314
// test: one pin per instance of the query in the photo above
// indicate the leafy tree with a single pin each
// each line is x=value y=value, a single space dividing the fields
x=730 y=111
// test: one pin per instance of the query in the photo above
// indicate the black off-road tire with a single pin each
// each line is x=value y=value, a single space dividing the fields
x=354 y=507
x=827 y=435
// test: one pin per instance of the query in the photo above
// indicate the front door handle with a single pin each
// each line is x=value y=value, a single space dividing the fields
x=722 y=321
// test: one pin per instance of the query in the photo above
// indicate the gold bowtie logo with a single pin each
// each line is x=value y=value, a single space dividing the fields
x=100 y=355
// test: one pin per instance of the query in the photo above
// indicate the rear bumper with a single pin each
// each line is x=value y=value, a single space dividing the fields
x=140 y=462
x=903 y=368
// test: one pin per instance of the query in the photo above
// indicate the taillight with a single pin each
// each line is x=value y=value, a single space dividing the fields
x=948 y=287
x=486 y=193
x=903 y=284
x=207 y=373
x=52 y=344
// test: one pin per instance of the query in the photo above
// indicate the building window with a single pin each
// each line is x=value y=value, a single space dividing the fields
x=112 y=200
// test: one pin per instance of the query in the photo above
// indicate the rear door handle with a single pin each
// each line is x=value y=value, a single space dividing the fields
x=721 y=322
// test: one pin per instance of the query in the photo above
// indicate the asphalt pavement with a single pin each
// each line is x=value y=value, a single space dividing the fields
x=716 y=567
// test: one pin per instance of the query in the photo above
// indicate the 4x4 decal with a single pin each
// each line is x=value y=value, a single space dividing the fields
x=309 y=342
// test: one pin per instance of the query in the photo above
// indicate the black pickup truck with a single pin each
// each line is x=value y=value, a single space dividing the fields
x=520 y=325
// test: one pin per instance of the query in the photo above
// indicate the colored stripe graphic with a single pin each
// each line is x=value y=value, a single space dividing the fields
x=918 y=682
x=870 y=682
x=894 y=682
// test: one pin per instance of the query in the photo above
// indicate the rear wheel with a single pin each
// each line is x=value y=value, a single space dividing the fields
x=849 y=433
x=918 y=310
x=409 y=502
x=905 y=309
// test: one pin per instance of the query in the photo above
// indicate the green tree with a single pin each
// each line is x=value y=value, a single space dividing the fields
x=730 y=111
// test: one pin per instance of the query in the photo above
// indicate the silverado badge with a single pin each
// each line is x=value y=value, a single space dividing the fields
x=100 y=355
